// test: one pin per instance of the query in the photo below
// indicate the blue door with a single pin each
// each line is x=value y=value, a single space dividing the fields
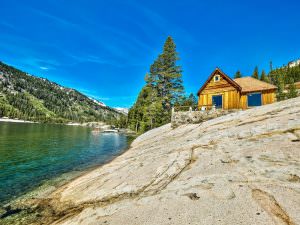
x=217 y=101
x=254 y=99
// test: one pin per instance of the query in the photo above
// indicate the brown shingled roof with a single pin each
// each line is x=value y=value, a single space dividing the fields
x=250 y=84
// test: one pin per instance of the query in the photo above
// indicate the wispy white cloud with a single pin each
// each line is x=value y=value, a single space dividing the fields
x=122 y=36
x=44 y=68
x=123 y=46
x=103 y=98
x=8 y=25
x=94 y=95
x=122 y=50
x=160 y=23
x=87 y=58
x=75 y=58
x=26 y=52
x=83 y=30
x=57 y=19
x=99 y=98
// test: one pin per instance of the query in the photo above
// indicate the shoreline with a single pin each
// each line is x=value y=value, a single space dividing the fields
x=95 y=124
x=91 y=168
x=52 y=185
x=15 y=120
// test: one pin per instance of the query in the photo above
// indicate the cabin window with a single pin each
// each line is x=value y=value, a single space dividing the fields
x=254 y=99
x=217 y=78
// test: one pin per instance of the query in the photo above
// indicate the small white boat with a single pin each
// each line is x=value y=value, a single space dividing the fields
x=110 y=131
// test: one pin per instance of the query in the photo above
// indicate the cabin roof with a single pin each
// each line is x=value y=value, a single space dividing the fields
x=250 y=84
x=219 y=71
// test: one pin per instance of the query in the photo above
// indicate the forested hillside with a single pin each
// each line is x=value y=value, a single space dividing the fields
x=283 y=77
x=24 y=96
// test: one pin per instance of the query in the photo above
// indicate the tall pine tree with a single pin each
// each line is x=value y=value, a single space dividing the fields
x=255 y=73
x=292 y=91
x=263 y=76
x=164 y=87
x=280 y=90
x=169 y=75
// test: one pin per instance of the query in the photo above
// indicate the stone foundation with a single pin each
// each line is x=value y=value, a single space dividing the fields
x=190 y=117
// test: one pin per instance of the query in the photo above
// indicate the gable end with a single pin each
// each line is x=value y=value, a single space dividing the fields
x=218 y=72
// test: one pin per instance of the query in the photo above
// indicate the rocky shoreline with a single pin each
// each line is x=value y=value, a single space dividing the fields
x=97 y=125
x=241 y=168
x=5 y=119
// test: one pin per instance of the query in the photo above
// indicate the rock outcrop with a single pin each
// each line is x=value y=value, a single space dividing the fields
x=241 y=168
x=190 y=117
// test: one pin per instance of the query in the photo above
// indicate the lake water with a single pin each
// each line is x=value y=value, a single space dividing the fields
x=31 y=154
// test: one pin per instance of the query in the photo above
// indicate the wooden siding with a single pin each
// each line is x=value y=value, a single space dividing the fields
x=231 y=97
x=243 y=102
x=222 y=87
x=267 y=97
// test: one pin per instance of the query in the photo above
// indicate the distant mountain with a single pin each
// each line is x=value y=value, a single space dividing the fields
x=28 y=97
x=122 y=110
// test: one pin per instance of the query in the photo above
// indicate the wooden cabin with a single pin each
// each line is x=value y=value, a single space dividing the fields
x=241 y=93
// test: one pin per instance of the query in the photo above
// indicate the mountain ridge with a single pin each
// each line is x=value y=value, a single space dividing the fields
x=29 y=97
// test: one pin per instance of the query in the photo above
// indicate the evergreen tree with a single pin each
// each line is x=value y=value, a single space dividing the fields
x=237 y=74
x=255 y=73
x=192 y=99
x=271 y=66
x=263 y=76
x=163 y=88
x=169 y=82
x=282 y=76
x=292 y=91
x=280 y=90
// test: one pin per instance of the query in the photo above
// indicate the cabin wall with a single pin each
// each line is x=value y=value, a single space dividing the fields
x=233 y=99
x=230 y=99
x=243 y=101
x=268 y=97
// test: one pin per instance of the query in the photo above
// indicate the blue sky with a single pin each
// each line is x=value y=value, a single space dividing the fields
x=104 y=48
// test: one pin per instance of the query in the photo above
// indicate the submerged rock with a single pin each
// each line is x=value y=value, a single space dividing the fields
x=2 y=212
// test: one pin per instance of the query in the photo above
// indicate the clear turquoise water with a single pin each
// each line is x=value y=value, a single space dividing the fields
x=31 y=154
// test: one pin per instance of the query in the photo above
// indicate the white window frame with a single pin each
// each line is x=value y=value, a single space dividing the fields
x=217 y=76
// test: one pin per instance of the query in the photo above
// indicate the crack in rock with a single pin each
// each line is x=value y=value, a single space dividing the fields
x=269 y=203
